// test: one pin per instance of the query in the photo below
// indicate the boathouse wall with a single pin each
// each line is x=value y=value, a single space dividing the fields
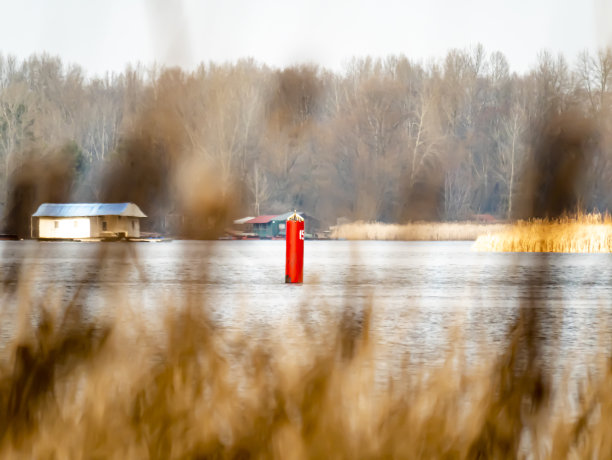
x=87 y=227
x=58 y=227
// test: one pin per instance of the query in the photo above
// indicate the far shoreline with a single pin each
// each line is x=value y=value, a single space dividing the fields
x=415 y=231
x=580 y=234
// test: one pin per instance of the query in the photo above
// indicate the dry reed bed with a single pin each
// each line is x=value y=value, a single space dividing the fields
x=416 y=231
x=77 y=388
x=586 y=233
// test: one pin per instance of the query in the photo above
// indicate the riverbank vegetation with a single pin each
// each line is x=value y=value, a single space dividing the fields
x=582 y=233
x=387 y=140
x=416 y=231
x=109 y=387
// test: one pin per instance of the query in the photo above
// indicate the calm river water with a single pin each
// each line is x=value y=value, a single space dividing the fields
x=417 y=290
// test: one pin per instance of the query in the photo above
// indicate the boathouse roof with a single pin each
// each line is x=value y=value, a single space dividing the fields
x=261 y=219
x=88 y=210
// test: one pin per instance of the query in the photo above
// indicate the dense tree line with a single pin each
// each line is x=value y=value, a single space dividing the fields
x=387 y=139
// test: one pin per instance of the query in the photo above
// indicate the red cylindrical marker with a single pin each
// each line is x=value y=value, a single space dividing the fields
x=294 y=266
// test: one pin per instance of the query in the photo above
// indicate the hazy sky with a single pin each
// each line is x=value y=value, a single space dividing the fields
x=104 y=35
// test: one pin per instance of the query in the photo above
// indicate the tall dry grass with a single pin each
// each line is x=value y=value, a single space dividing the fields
x=416 y=231
x=73 y=386
x=572 y=234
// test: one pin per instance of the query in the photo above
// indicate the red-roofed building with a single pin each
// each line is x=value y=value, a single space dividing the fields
x=267 y=226
x=261 y=219
x=273 y=226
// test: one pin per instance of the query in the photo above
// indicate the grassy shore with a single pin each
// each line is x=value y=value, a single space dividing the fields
x=416 y=231
x=579 y=234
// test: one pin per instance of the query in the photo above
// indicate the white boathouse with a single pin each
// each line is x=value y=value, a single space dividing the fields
x=86 y=220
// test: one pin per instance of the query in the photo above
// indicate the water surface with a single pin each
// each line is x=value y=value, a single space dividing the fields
x=417 y=290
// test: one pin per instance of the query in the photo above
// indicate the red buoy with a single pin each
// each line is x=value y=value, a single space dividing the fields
x=294 y=266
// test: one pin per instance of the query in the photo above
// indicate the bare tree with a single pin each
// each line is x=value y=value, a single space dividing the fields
x=457 y=193
x=17 y=120
x=511 y=151
x=258 y=186
x=595 y=77
x=424 y=139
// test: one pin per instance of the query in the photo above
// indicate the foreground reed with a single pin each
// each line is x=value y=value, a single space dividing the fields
x=72 y=387
x=416 y=231
x=578 y=234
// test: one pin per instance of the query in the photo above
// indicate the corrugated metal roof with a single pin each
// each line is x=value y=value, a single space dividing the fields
x=88 y=210
x=260 y=220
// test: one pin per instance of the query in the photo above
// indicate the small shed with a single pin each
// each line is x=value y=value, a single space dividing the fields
x=273 y=226
x=86 y=220
x=311 y=225
x=265 y=226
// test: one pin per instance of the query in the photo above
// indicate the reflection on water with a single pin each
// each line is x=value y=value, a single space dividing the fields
x=419 y=289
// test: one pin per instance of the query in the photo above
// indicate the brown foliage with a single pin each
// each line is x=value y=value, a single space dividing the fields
x=40 y=178
x=563 y=152
x=73 y=387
